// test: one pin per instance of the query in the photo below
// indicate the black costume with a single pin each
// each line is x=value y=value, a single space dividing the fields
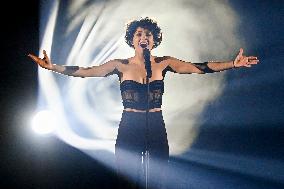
x=131 y=140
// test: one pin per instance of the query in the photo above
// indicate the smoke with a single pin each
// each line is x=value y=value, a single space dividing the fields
x=87 y=33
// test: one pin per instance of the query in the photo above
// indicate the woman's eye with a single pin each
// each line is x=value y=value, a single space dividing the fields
x=139 y=34
x=148 y=34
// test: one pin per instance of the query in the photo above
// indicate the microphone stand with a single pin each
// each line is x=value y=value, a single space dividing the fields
x=146 y=153
x=146 y=54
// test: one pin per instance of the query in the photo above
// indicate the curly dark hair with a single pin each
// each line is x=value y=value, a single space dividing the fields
x=146 y=23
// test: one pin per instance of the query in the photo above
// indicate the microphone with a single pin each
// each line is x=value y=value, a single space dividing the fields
x=146 y=54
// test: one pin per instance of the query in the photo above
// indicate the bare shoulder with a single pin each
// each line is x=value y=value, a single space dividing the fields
x=165 y=61
x=120 y=64
x=162 y=59
x=117 y=62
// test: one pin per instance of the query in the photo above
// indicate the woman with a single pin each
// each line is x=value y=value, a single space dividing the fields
x=139 y=129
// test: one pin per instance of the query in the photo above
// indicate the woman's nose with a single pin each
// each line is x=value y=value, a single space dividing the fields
x=144 y=36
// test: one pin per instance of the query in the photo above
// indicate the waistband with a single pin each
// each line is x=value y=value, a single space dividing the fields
x=132 y=112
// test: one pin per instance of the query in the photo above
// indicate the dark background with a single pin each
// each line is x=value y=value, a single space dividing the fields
x=28 y=160
x=255 y=113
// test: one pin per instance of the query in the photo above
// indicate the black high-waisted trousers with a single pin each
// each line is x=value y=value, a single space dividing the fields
x=130 y=145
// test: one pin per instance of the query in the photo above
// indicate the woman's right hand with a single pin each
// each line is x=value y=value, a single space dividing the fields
x=42 y=62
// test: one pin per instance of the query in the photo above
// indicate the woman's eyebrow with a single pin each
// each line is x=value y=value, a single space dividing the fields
x=140 y=31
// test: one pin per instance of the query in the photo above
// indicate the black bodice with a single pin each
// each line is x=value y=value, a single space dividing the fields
x=134 y=94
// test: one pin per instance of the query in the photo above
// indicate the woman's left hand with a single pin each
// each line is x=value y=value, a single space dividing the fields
x=244 y=61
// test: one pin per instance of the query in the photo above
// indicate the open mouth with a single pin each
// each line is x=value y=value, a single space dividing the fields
x=143 y=44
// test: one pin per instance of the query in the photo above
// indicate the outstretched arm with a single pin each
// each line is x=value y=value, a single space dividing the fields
x=210 y=67
x=76 y=71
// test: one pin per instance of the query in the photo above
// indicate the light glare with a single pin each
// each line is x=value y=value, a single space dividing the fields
x=43 y=122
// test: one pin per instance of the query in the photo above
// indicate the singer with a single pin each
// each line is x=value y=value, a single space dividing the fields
x=142 y=100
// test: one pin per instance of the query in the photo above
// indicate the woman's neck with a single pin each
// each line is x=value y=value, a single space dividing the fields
x=139 y=57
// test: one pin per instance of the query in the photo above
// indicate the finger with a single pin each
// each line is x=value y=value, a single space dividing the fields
x=45 y=57
x=30 y=55
x=241 y=52
x=248 y=65
x=35 y=58
x=44 y=53
x=254 y=62
x=252 y=57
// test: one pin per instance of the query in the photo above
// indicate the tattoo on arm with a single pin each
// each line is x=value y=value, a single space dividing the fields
x=69 y=70
x=160 y=59
x=204 y=67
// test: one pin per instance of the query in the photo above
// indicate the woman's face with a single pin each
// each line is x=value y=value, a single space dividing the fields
x=143 y=37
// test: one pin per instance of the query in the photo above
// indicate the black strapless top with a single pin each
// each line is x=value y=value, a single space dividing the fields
x=134 y=94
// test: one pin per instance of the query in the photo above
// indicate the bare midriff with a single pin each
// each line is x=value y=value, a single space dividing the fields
x=135 y=110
